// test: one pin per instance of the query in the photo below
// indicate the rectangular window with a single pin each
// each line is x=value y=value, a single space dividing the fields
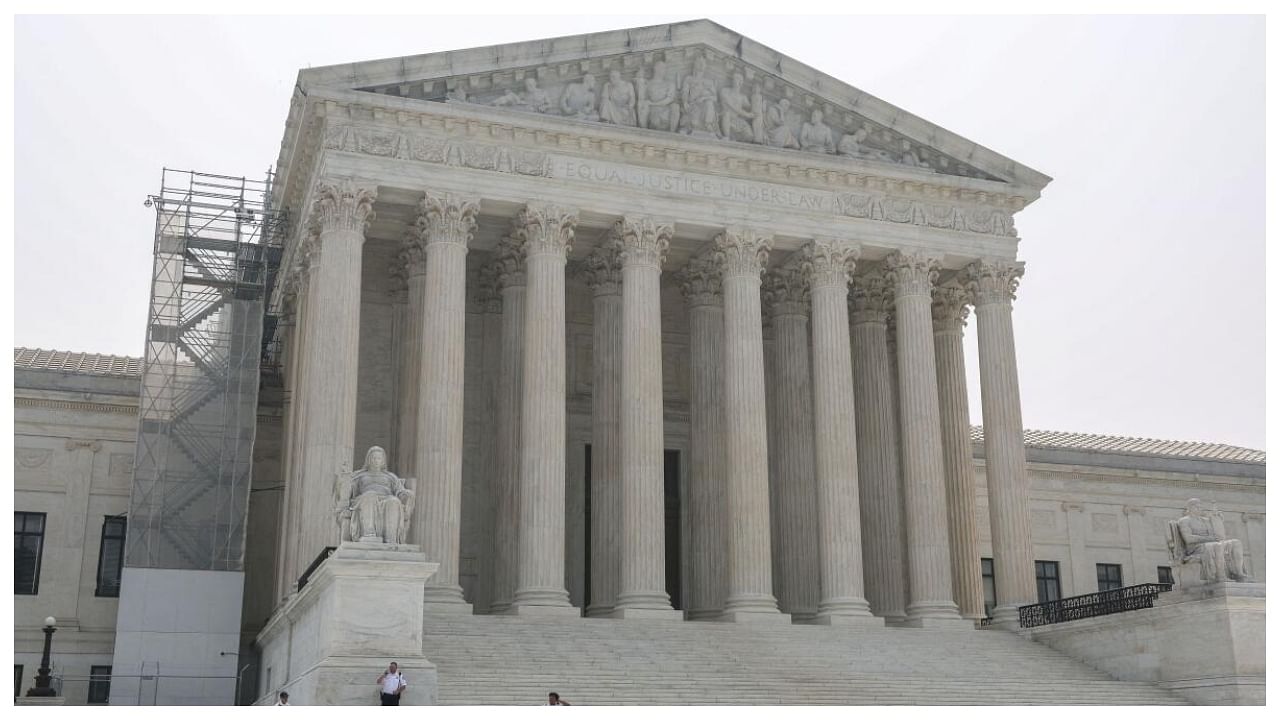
x=99 y=684
x=988 y=585
x=1164 y=574
x=28 y=543
x=1109 y=577
x=110 y=557
x=1048 y=587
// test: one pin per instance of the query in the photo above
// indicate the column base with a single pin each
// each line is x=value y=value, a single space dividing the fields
x=567 y=611
x=661 y=614
x=754 y=617
x=853 y=607
x=599 y=611
x=443 y=594
x=703 y=614
x=1005 y=617
x=939 y=623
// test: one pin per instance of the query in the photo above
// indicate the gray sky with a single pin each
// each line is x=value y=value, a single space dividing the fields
x=1142 y=309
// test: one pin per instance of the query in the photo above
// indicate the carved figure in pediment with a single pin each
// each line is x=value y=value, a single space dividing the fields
x=909 y=156
x=618 y=101
x=534 y=98
x=579 y=99
x=758 y=130
x=372 y=504
x=815 y=136
x=657 y=102
x=781 y=133
x=698 y=98
x=851 y=144
x=735 y=111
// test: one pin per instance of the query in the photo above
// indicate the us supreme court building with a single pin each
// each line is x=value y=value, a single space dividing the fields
x=666 y=330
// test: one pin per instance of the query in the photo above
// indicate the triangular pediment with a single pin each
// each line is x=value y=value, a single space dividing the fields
x=694 y=78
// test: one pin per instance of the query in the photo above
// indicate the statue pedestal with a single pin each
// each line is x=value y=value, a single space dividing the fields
x=360 y=610
x=1206 y=643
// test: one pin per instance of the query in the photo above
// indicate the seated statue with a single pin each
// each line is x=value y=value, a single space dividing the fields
x=372 y=504
x=1198 y=536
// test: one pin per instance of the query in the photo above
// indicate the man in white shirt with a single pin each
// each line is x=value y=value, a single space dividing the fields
x=284 y=699
x=392 y=684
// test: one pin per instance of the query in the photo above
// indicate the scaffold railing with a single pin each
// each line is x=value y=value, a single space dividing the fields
x=216 y=253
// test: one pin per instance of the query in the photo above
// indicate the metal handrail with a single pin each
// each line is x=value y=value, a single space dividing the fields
x=1078 y=607
x=306 y=574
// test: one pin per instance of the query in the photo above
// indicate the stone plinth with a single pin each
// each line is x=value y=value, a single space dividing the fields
x=1207 y=644
x=40 y=701
x=360 y=610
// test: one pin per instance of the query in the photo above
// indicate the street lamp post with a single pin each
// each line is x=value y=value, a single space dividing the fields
x=42 y=687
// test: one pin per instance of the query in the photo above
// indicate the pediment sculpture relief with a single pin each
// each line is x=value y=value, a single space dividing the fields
x=699 y=94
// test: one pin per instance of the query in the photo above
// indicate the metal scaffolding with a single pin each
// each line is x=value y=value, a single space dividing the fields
x=217 y=250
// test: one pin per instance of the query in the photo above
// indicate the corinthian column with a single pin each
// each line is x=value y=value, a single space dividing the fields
x=705 y=526
x=787 y=294
x=509 y=268
x=950 y=307
x=489 y=303
x=341 y=211
x=992 y=285
x=546 y=232
x=446 y=222
x=828 y=265
x=741 y=254
x=412 y=258
x=928 y=556
x=879 y=482
x=603 y=273
x=643 y=244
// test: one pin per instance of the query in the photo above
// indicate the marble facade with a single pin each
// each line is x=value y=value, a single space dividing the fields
x=520 y=236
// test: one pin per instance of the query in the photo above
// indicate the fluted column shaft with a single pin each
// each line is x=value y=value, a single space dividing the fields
x=992 y=286
x=879 y=482
x=796 y=565
x=341 y=211
x=828 y=264
x=707 y=510
x=742 y=253
x=411 y=365
x=546 y=233
x=950 y=307
x=643 y=246
x=511 y=286
x=929 y=557
x=446 y=223
x=489 y=303
x=286 y=539
x=604 y=276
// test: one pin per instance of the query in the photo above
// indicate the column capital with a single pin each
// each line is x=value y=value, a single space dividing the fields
x=700 y=282
x=871 y=298
x=742 y=251
x=830 y=261
x=785 y=290
x=488 y=298
x=643 y=240
x=950 y=308
x=509 y=263
x=343 y=204
x=545 y=229
x=447 y=218
x=914 y=272
x=602 y=269
x=993 y=281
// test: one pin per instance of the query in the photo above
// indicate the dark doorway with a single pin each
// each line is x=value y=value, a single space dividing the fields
x=671 y=518
x=671 y=523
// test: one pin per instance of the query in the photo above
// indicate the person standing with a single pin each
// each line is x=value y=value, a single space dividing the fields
x=392 y=684
x=283 y=699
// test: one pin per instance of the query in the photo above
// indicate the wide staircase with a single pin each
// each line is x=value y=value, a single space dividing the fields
x=493 y=660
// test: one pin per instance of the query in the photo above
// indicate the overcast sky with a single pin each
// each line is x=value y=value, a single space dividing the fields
x=1141 y=312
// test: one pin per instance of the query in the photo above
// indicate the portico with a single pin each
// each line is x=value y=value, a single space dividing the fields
x=487 y=288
